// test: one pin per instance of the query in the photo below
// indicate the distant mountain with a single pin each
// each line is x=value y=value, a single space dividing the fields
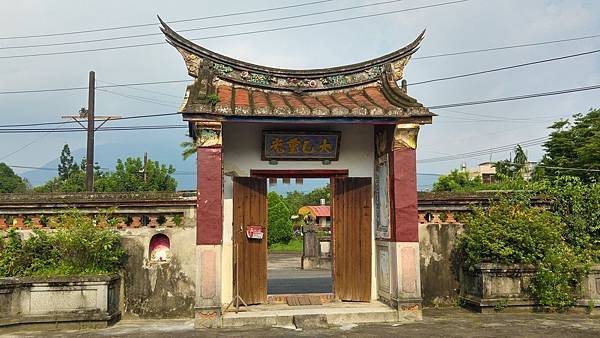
x=106 y=156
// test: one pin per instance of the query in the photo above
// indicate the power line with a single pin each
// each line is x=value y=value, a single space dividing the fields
x=139 y=98
x=98 y=87
x=567 y=168
x=143 y=90
x=494 y=117
x=514 y=98
x=30 y=167
x=238 y=34
x=121 y=118
x=134 y=84
x=550 y=42
x=204 y=28
x=173 y=21
x=476 y=153
x=498 y=121
x=176 y=173
x=505 y=68
x=503 y=99
x=30 y=143
x=481 y=153
x=70 y=130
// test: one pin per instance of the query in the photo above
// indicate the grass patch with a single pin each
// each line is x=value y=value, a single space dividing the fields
x=295 y=245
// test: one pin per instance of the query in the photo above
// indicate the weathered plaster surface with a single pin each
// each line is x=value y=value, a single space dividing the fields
x=439 y=279
x=159 y=290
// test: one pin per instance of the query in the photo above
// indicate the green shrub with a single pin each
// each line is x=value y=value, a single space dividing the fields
x=76 y=247
x=511 y=231
x=280 y=228
x=578 y=204
x=557 y=278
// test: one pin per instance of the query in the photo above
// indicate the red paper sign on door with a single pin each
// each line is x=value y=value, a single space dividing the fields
x=254 y=231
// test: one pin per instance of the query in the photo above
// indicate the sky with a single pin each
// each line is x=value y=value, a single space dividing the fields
x=461 y=26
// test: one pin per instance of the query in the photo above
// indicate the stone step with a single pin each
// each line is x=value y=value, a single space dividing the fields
x=317 y=315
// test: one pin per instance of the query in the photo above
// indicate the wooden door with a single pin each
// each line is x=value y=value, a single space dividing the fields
x=352 y=238
x=250 y=208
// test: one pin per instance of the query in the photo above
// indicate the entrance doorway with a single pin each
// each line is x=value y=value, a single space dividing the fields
x=299 y=240
x=351 y=238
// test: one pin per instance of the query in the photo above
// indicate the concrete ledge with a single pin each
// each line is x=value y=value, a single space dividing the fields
x=497 y=287
x=59 y=302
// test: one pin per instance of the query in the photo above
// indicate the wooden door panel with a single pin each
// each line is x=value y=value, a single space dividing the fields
x=250 y=208
x=352 y=238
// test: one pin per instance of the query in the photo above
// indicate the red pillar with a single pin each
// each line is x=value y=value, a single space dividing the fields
x=209 y=212
x=405 y=195
x=405 y=253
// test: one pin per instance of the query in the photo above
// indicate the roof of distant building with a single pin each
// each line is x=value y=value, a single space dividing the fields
x=316 y=210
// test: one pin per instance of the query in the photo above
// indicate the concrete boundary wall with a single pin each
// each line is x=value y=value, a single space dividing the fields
x=168 y=289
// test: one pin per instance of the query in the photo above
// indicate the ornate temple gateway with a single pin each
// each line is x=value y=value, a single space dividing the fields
x=352 y=124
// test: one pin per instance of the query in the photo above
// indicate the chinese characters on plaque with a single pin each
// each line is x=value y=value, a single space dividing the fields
x=316 y=146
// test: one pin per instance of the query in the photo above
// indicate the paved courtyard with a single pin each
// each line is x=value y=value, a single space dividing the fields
x=285 y=276
x=437 y=323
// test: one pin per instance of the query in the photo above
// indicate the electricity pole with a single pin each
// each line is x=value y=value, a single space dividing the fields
x=89 y=166
x=145 y=164
x=91 y=128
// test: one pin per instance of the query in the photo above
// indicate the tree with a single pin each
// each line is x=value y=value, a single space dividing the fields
x=314 y=197
x=280 y=228
x=297 y=199
x=75 y=182
x=189 y=149
x=129 y=175
x=573 y=145
x=514 y=169
x=66 y=165
x=132 y=176
x=9 y=181
x=458 y=181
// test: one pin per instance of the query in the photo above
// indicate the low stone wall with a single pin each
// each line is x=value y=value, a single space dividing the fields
x=90 y=301
x=492 y=287
x=150 y=289
x=590 y=288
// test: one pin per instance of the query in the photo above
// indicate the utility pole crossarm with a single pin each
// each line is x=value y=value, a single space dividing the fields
x=105 y=119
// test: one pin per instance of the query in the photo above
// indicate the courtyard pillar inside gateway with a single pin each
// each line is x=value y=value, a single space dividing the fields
x=405 y=251
x=209 y=223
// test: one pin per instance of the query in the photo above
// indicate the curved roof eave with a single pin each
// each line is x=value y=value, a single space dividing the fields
x=179 y=41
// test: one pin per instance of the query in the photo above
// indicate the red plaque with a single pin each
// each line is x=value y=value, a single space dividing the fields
x=254 y=231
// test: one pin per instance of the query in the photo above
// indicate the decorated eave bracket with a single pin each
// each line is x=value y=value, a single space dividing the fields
x=198 y=58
